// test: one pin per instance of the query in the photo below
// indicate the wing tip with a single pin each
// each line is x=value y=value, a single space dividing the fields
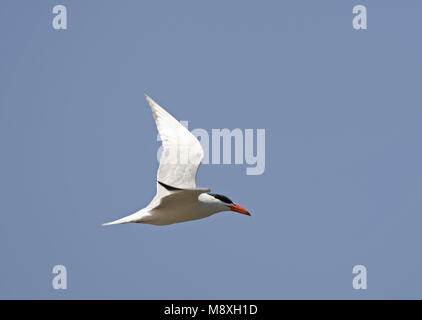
x=153 y=105
x=147 y=97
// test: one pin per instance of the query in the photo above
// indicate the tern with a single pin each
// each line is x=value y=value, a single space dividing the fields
x=178 y=199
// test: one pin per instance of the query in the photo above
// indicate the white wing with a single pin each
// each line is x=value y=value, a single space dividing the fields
x=182 y=153
x=181 y=157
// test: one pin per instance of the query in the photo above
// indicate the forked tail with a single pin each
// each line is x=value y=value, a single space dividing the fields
x=135 y=217
x=119 y=221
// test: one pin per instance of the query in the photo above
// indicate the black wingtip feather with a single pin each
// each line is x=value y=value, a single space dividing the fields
x=169 y=188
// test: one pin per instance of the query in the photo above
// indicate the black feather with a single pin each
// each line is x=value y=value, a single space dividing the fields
x=169 y=188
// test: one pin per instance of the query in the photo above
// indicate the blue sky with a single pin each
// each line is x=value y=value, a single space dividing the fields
x=341 y=109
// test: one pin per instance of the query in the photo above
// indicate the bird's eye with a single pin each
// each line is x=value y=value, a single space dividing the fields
x=221 y=198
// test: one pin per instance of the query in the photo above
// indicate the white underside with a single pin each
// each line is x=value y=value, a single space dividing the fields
x=166 y=216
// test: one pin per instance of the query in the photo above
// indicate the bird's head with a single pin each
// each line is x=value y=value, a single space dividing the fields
x=222 y=203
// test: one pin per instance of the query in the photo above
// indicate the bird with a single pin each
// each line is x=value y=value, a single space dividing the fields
x=177 y=198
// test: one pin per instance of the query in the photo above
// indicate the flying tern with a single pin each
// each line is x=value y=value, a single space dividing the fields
x=178 y=199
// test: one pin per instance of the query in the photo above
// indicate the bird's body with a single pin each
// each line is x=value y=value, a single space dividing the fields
x=177 y=198
x=169 y=207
